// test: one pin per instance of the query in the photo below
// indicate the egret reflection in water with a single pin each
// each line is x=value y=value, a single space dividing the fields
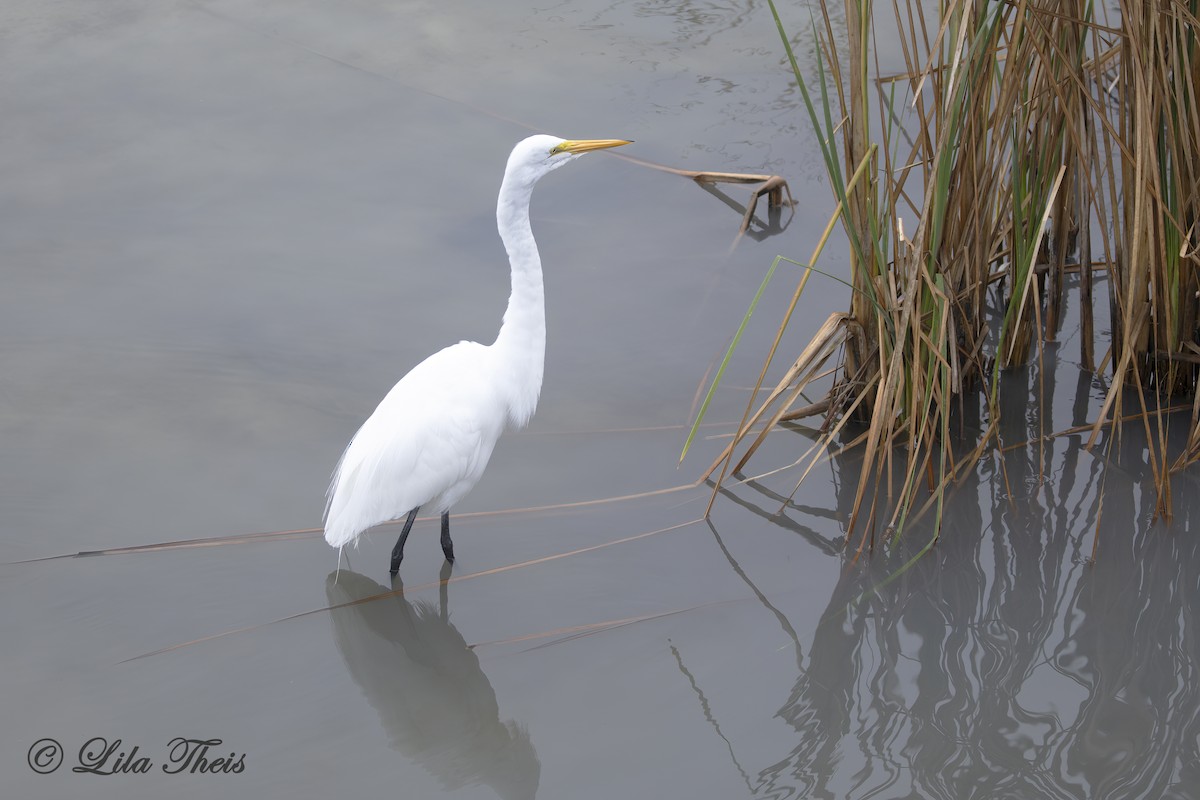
x=434 y=701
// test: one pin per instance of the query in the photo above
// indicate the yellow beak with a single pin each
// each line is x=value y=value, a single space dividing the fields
x=587 y=145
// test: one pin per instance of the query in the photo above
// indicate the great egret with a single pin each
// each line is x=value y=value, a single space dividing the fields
x=429 y=440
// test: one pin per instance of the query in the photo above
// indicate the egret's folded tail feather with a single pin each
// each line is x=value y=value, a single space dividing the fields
x=331 y=492
x=339 y=530
x=339 y=536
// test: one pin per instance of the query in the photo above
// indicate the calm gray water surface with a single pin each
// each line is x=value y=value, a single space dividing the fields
x=227 y=228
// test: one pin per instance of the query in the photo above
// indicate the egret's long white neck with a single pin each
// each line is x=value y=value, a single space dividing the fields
x=521 y=343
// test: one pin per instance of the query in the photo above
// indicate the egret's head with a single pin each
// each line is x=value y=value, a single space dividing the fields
x=534 y=157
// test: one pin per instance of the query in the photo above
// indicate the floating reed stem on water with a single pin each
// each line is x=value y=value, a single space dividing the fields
x=1027 y=140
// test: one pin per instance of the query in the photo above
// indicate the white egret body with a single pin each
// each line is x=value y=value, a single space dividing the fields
x=429 y=441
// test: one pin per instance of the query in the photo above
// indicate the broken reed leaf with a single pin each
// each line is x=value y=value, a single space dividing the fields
x=268 y=536
x=743 y=426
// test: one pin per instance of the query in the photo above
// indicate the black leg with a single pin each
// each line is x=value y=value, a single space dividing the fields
x=447 y=545
x=398 y=550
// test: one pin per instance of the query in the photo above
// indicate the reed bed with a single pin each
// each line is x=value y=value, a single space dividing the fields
x=1023 y=141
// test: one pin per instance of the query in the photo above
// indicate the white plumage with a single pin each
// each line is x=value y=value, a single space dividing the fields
x=428 y=442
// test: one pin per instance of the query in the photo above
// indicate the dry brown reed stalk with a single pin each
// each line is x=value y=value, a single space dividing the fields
x=1034 y=138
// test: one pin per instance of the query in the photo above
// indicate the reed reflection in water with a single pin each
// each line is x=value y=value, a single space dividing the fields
x=434 y=701
x=1003 y=663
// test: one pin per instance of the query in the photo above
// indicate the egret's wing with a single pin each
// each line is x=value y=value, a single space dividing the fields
x=425 y=436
